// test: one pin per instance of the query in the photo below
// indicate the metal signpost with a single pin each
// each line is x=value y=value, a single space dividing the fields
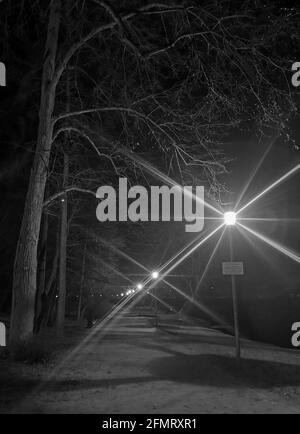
x=234 y=269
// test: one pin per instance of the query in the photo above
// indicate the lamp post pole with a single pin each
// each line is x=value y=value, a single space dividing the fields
x=235 y=303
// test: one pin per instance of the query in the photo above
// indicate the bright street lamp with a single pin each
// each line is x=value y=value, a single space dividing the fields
x=230 y=218
x=140 y=286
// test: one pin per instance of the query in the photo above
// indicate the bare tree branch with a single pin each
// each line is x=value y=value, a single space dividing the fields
x=130 y=111
x=67 y=190
x=88 y=138
x=103 y=28
x=122 y=29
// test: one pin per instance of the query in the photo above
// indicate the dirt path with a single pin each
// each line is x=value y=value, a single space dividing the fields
x=135 y=369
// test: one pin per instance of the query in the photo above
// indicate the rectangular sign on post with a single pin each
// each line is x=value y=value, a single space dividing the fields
x=233 y=268
x=2 y=335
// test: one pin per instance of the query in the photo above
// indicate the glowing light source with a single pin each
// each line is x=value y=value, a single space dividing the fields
x=155 y=275
x=230 y=218
x=139 y=286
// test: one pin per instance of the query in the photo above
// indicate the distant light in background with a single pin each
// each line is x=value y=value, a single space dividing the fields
x=155 y=275
x=140 y=286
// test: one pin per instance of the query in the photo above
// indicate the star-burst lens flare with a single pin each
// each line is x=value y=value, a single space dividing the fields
x=284 y=250
x=190 y=251
x=258 y=251
x=198 y=305
x=212 y=256
x=256 y=169
x=271 y=187
x=160 y=175
x=162 y=302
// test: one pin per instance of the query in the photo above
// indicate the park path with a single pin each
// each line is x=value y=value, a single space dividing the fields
x=135 y=368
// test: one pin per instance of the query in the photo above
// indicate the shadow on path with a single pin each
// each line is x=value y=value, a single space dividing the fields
x=222 y=371
x=202 y=370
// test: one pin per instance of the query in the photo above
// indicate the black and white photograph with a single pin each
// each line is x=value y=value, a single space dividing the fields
x=149 y=210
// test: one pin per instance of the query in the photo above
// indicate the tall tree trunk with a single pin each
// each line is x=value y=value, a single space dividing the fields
x=81 y=283
x=49 y=290
x=41 y=269
x=61 y=308
x=25 y=267
x=60 y=321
